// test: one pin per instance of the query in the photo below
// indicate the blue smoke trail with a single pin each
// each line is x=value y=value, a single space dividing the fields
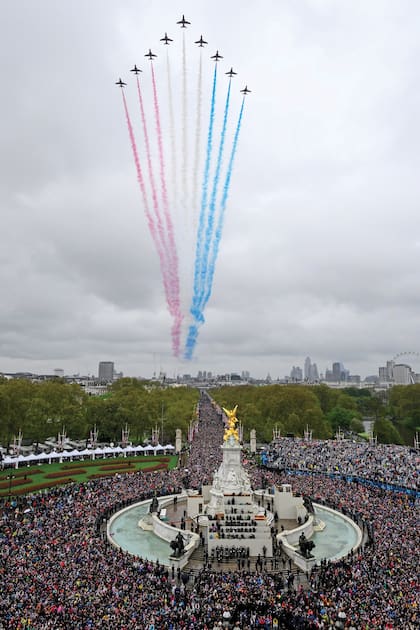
x=212 y=206
x=203 y=209
x=193 y=331
x=219 y=228
x=198 y=279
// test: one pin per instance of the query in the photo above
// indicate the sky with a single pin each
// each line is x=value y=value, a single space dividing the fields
x=320 y=248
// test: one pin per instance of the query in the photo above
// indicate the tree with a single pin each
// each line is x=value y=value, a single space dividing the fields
x=36 y=426
x=386 y=432
x=404 y=402
x=346 y=402
x=341 y=418
x=318 y=423
x=17 y=395
x=263 y=408
x=7 y=425
x=327 y=397
x=293 y=424
x=41 y=410
x=356 y=425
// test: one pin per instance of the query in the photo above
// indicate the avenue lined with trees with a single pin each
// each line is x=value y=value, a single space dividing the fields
x=41 y=409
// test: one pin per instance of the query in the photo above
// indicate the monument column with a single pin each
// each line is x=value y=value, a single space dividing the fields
x=178 y=441
x=253 y=441
x=230 y=479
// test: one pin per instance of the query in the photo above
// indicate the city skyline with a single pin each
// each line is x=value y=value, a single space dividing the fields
x=321 y=239
x=406 y=363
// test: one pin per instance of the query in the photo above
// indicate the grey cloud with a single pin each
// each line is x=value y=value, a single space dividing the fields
x=320 y=249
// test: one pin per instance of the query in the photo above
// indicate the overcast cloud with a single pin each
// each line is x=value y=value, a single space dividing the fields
x=321 y=244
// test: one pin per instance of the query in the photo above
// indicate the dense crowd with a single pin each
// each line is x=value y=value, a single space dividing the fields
x=58 y=572
x=386 y=463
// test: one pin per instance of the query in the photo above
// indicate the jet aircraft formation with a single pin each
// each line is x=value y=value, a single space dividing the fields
x=186 y=224
x=200 y=42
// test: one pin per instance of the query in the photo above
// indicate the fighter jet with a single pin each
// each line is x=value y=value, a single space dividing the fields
x=201 y=42
x=183 y=22
x=231 y=73
x=150 y=55
x=216 y=57
x=166 y=39
x=245 y=90
x=136 y=70
x=120 y=83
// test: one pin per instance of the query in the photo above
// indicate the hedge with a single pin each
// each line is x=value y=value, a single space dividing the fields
x=122 y=466
x=13 y=483
x=39 y=486
x=21 y=473
x=135 y=460
x=125 y=471
x=65 y=473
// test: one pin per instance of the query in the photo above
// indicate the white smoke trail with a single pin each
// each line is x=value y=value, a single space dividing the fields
x=174 y=178
x=197 y=142
x=184 y=124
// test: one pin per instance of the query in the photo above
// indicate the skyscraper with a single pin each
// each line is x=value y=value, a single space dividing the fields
x=337 y=368
x=307 y=369
x=339 y=373
x=310 y=371
x=296 y=373
x=314 y=375
x=106 y=371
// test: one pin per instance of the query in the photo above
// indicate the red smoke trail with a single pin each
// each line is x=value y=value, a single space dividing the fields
x=149 y=217
x=172 y=131
x=150 y=169
x=172 y=251
x=167 y=271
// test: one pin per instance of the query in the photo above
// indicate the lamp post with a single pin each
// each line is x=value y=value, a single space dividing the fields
x=312 y=481
x=10 y=476
x=161 y=420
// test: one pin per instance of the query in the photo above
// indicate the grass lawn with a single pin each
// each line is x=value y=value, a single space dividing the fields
x=364 y=435
x=32 y=478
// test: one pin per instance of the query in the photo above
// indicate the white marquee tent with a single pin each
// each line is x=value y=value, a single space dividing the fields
x=105 y=451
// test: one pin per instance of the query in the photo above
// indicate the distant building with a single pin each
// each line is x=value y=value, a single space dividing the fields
x=372 y=378
x=106 y=371
x=383 y=374
x=386 y=374
x=403 y=374
x=296 y=374
x=337 y=368
x=59 y=373
x=338 y=373
x=92 y=387
x=307 y=368
x=310 y=371
x=313 y=374
x=329 y=375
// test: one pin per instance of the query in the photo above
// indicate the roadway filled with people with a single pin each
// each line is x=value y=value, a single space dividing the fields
x=58 y=571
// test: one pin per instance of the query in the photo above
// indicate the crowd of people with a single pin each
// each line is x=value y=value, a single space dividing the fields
x=58 y=571
x=387 y=463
